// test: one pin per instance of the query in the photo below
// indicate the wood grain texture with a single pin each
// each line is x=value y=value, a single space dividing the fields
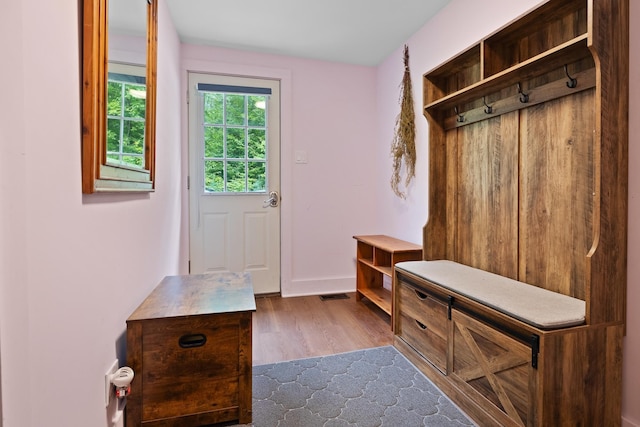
x=492 y=367
x=487 y=181
x=436 y=238
x=557 y=192
x=151 y=105
x=462 y=71
x=388 y=244
x=537 y=191
x=197 y=294
x=548 y=26
x=190 y=345
x=180 y=381
x=375 y=257
x=133 y=412
x=301 y=327
x=579 y=367
x=423 y=324
x=93 y=88
x=608 y=259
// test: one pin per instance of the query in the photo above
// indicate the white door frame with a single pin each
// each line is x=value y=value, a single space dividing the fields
x=286 y=150
x=236 y=231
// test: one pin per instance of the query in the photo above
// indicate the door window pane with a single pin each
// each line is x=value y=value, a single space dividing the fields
x=214 y=141
x=256 y=176
x=235 y=109
x=236 y=177
x=234 y=142
x=213 y=111
x=213 y=176
x=257 y=111
x=257 y=143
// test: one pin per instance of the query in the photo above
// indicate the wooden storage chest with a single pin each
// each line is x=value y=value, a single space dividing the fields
x=189 y=344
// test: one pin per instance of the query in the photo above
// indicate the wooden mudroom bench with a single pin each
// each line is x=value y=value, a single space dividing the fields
x=530 y=304
x=507 y=352
x=517 y=309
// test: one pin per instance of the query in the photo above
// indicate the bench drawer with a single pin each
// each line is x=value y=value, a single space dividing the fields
x=422 y=323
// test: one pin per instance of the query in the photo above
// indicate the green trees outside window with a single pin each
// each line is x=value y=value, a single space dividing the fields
x=126 y=106
x=235 y=142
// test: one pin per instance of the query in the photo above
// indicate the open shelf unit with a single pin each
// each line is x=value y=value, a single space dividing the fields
x=376 y=255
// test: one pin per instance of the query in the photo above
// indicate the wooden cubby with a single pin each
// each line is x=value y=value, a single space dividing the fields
x=375 y=257
x=528 y=180
x=519 y=58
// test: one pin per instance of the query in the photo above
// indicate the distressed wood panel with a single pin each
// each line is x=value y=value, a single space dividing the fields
x=494 y=368
x=487 y=202
x=556 y=193
x=181 y=381
x=435 y=237
x=572 y=362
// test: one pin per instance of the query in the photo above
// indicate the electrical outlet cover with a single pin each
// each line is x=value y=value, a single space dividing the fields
x=109 y=390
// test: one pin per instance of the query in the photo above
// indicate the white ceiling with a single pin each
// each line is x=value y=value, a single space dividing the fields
x=362 y=32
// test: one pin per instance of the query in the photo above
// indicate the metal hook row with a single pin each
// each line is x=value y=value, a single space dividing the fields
x=523 y=97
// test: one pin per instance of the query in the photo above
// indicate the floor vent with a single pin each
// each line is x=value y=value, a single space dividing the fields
x=333 y=296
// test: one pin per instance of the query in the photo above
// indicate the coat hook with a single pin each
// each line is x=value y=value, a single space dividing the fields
x=488 y=109
x=573 y=82
x=460 y=118
x=524 y=97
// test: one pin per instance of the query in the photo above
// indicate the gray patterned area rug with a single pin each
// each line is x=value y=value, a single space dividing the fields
x=364 y=388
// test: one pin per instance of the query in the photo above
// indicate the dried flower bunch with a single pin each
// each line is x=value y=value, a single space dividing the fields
x=403 y=148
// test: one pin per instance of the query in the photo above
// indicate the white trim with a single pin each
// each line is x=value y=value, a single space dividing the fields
x=324 y=286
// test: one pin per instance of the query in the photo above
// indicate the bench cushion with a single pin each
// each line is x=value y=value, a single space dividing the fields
x=533 y=305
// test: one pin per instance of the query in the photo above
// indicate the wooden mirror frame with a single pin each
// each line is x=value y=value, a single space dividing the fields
x=97 y=175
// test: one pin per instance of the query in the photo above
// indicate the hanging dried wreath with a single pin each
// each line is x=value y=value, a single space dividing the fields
x=403 y=148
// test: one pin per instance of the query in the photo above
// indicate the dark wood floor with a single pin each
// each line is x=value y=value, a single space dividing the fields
x=300 y=327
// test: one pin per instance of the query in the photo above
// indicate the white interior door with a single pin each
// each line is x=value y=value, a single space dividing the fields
x=234 y=177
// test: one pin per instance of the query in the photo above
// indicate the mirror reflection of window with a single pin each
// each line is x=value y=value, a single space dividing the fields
x=126 y=104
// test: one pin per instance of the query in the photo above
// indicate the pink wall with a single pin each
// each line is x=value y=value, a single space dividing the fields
x=439 y=40
x=328 y=110
x=71 y=271
x=13 y=225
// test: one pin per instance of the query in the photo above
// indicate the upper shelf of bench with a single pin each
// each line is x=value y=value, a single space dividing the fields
x=536 y=306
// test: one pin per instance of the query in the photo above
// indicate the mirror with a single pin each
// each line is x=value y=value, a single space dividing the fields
x=103 y=170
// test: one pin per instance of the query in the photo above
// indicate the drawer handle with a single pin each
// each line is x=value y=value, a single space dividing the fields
x=192 y=340
x=421 y=325
x=420 y=295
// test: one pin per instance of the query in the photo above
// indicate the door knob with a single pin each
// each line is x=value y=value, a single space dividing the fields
x=272 y=201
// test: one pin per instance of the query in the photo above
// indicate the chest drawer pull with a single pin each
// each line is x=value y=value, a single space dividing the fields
x=420 y=295
x=421 y=325
x=192 y=340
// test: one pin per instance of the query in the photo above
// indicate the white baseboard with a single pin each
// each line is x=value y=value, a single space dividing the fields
x=324 y=286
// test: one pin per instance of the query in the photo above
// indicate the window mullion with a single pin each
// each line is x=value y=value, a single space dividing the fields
x=246 y=143
x=121 y=136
